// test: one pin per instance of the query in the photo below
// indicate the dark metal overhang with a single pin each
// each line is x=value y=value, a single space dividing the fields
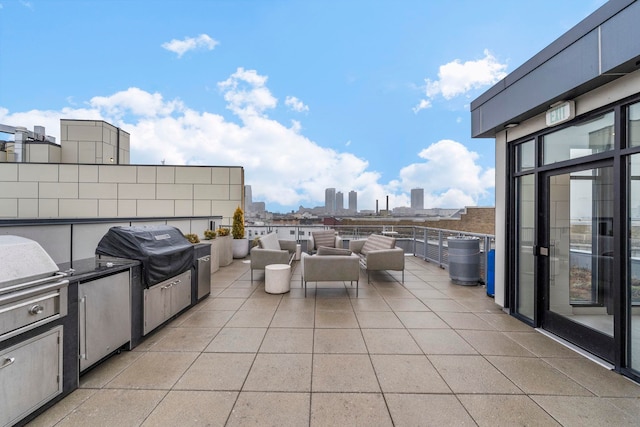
x=601 y=48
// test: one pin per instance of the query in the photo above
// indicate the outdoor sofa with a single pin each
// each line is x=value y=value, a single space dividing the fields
x=330 y=264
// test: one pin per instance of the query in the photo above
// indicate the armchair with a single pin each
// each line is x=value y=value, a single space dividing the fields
x=271 y=250
x=326 y=238
x=378 y=252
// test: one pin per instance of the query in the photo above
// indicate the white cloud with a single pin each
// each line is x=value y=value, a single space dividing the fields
x=449 y=175
x=457 y=78
x=422 y=105
x=180 y=47
x=295 y=104
x=282 y=165
x=247 y=94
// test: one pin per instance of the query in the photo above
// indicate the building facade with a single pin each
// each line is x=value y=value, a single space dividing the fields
x=417 y=198
x=353 y=202
x=567 y=134
x=330 y=200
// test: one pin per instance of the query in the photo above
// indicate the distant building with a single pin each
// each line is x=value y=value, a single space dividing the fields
x=330 y=200
x=353 y=202
x=417 y=198
x=339 y=202
x=248 y=199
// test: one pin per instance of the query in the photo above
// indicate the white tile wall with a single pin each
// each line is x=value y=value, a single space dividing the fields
x=84 y=191
x=58 y=190
x=9 y=208
x=184 y=207
x=211 y=192
x=146 y=174
x=35 y=172
x=28 y=208
x=148 y=208
x=48 y=208
x=174 y=191
x=116 y=173
x=68 y=173
x=79 y=208
x=193 y=175
x=90 y=190
x=87 y=152
x=137 y=191
x=16 y=190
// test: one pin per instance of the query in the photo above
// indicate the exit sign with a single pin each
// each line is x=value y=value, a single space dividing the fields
x=561 y=113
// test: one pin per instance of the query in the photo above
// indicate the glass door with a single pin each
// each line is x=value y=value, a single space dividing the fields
x=576 y=256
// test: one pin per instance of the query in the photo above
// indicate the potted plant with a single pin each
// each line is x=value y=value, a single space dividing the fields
x=240 y=242
x=210 y=234
x=192 y=237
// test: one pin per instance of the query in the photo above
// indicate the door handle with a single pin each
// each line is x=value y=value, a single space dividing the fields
x=541 y=251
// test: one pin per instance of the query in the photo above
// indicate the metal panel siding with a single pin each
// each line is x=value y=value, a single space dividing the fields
x=576 y=65
x=620 y=37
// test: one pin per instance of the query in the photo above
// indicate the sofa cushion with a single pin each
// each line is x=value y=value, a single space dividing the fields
x=325 y=238
x=323 y=250
x=376 y=242
x=270 y=241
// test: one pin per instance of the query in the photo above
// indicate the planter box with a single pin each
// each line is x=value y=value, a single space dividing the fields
x=225 y=250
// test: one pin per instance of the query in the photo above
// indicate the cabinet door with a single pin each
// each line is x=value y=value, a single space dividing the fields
x=30 y=374
x=105 y=317
x=181 y=292
x=156 y=306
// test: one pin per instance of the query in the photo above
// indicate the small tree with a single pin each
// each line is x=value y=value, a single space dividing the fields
x=237 y=230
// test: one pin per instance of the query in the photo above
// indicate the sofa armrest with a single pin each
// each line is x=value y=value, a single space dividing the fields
x=260 y=258
x=288 y=245
x=356 y=245
x=385 y=259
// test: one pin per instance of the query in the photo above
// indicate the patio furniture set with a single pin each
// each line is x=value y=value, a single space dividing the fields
x=327 y=259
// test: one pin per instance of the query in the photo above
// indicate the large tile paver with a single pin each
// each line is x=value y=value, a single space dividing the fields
x=426 y=353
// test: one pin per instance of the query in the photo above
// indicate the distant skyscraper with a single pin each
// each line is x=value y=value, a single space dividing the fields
x=248 y=199
x=330 y=200
x=417 y=198
x=339 y=201
x=353 y=201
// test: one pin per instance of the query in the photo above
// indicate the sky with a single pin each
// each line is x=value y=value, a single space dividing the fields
x=370 y=96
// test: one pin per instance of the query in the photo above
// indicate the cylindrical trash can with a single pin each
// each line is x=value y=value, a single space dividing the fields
x=464 y=260
x=491 y=272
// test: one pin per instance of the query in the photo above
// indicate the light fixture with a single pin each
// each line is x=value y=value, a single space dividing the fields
x=511 y=125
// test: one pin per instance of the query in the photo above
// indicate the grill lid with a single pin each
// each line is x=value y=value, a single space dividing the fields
x=23 y=260
x=163 y=250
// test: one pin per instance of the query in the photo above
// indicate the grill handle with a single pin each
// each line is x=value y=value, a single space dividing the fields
x=83 y=327
x=7 y=361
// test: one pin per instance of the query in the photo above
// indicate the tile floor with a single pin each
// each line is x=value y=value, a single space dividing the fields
x=426 y=353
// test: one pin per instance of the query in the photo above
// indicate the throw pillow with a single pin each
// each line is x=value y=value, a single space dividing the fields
x=270 y=241
x=376 y=242
x=323 y=250
x=324 y=238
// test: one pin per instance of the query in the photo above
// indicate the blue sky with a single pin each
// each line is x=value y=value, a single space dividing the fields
x=371 y=96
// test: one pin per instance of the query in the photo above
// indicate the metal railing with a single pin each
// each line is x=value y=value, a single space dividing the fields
x=427 y=243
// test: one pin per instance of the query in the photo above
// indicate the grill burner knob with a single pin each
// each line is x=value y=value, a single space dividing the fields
x=36 y=309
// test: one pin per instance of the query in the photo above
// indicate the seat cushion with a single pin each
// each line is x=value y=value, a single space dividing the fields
x=326 y=238
x=323 y=250
x=270 y=241
x=376 y=242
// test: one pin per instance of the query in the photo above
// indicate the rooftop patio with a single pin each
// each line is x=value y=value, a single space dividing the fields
x=424 y=353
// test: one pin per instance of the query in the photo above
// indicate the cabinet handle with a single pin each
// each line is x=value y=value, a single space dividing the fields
x=36 y=309
x=8 y=361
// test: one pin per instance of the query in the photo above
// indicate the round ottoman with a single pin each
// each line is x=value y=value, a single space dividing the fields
x=277 y=278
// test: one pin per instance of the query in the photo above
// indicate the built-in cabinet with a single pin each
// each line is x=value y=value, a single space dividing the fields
x=104 y=317
x=31 y=374
x=166 y=299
